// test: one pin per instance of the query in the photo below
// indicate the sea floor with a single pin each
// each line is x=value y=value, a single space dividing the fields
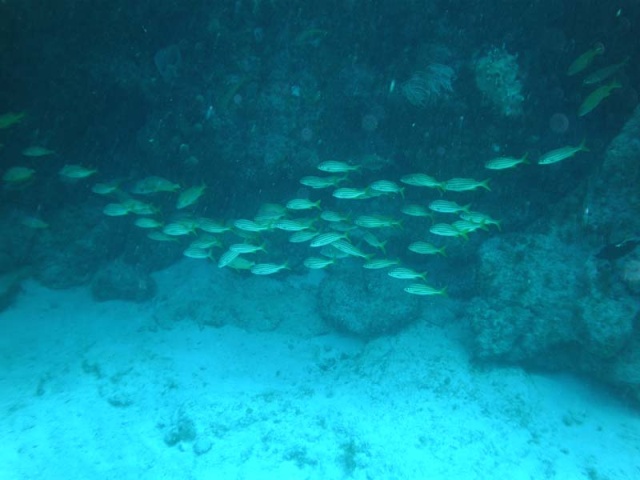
x=106 y=391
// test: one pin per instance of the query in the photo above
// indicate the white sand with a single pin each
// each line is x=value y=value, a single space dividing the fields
x=96 y=390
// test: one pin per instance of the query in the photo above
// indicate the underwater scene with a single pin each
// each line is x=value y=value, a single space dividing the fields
x=263 y=239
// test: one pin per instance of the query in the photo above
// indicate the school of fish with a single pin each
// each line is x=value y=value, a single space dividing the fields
x=351 y=228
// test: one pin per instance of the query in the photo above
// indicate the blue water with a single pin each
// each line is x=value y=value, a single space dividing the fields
x=162 y=317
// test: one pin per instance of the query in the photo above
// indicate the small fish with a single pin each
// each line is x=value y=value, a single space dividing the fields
x=316 y=263
x=211 y=226
x=139 y=208
x=604 y=73
x=246 y=248
x=584 y=60
x=115 y=210
x=465 y=184
x=326 y=239
x=350 y=193
x=446 y=230
x=481 y=218
x=596 y=97
x=333 y=217
x=346 y=247
x=302 y=236
x=206 y=242
x=76 y=172
x=333 y=253
x=34 y=223
x=190 y=196
x=268 y=268
x=227 y=257
x=250 y=225
x=374 y=242
x=424 y=289
x=502 y=163
x=377 y=221
x=302 y=204
x=18 y=175
x=467 y=226
x=9 y=119
x=291 y=225
x=333 y=166
x=105 y=188
x=240 y=263
x=415 y=211
x=36 y=151
x=146 y=222
x=421 y=180
x=196 y=252
x=404 y=273
x=321 y=182
x=153 y=184
x=386 y=186
x=426 y=248
x=447 y=206
x=380 y=263
x=177 y=229
x=562 y=153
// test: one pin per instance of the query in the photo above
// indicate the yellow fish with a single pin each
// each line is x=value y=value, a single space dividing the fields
x=350 y=193
x=146 y=222
x=376 y=221
x=115 y=210
x=316 y=263
x=380 y=263
x=502 y=163
x=584 y=60
x=105 y=188
x=321 y=182
x=560 y=154
x=604 y=73
x=333 y=166
x=425 y=248
x=448 y=206
x=16 y=175
x=386 y=186
x=153 y=184
x=424 y=289
x=302 y=204
x=421 y=180
x=267 y=268
x=9 y=119
x=246 y=248
x=465 y=184
x=36 y=151
x=404 y=273
x=446 y=230
x=190 y=196
x=34 y=223
x=595 y=97
x=76 y=172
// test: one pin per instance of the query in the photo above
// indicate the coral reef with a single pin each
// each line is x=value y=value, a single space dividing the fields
x=496 y=74
x=425 y=86
x=548 y=307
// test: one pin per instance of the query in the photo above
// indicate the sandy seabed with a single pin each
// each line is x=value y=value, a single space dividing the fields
x=105 y=391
